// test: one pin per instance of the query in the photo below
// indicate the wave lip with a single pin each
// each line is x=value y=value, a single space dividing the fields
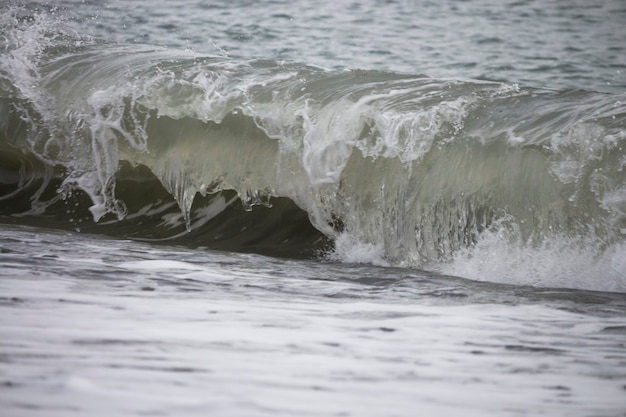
x=425 y=171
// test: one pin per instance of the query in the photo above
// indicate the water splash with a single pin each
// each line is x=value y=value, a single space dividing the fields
x=398 y=169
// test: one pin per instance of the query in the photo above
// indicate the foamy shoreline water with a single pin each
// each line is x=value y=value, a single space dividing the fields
x=126 y=329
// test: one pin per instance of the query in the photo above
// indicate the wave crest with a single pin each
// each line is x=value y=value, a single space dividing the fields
x=422 y=169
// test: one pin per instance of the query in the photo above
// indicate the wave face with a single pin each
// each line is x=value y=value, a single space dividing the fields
x=484 y=180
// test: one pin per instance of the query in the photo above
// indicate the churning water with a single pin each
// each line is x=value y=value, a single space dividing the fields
x=313 y=208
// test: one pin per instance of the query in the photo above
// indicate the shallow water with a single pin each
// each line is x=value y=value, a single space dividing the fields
x=120 y=328
x=438 y=189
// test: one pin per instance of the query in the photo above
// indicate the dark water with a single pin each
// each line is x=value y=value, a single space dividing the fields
x=372 y=152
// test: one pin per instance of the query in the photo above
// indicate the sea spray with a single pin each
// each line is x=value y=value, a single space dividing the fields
x=422 y=171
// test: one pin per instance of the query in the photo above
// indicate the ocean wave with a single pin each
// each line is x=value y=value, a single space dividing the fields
x=409 y=170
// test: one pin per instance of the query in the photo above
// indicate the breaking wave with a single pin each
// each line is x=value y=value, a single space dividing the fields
x=484 y=180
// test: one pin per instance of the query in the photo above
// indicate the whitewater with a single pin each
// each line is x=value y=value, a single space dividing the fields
x=353 y=208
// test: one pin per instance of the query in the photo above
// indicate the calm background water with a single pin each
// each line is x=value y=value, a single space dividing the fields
x=553 y=43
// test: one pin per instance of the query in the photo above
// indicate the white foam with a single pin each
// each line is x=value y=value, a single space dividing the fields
x=253 y=336
x=158 y=264
x=562 y=262
x=351 y=250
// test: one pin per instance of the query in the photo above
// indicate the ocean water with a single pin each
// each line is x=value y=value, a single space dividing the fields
x=313 y=208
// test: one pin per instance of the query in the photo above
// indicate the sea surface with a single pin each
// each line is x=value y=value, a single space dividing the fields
x=331 y=208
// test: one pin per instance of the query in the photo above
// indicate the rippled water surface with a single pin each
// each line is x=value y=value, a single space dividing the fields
x=556 y=44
